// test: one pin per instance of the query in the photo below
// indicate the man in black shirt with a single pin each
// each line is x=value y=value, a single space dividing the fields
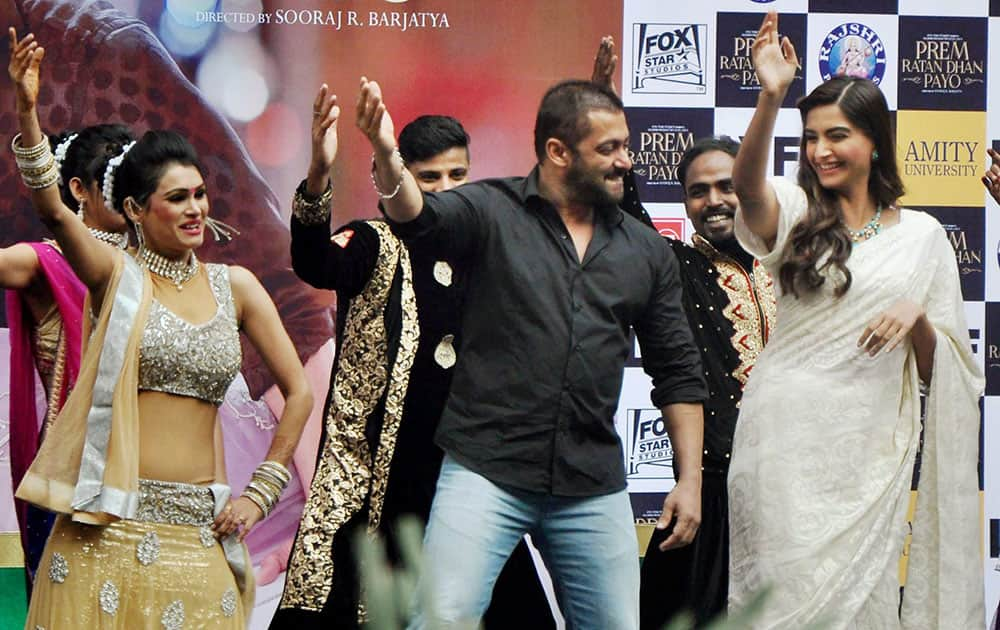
x=558 y=276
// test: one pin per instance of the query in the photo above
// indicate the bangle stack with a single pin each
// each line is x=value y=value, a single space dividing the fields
x=310 y=210
x=266 y=485
x=39 y=168
x=399 y=184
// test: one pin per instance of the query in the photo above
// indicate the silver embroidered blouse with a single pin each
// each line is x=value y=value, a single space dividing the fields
x=197 y=360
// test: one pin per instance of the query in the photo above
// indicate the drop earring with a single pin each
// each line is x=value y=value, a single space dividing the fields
x=80 y=208
x=875 y=155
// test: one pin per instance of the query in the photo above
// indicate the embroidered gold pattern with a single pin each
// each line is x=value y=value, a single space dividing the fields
x=108 y=597
x=56 y=384
x=206 y=536
x=752 y=306
x=228 y=604
x=174 y=503
x=148 y=549
x=345 y=474
x=58 y=568
x=173 y=616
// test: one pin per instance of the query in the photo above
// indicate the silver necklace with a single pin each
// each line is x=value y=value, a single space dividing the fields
x=176 y=271
x=114 y=239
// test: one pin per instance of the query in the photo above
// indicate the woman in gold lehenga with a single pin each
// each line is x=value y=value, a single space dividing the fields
x=146 y=535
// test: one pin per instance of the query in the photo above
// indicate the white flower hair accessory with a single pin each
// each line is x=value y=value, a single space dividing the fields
x=62 y=149
x=109 y=176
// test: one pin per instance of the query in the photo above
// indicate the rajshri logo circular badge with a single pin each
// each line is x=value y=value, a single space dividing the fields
x=852 y=50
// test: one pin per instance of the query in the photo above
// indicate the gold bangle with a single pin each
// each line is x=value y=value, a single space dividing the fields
x=29 y=153
x=270 y=477
x=276 y=468
x=37 y=183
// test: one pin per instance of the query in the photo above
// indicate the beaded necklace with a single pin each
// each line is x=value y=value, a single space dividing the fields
x=869 y=230
x=115 y=239
x=176 y=271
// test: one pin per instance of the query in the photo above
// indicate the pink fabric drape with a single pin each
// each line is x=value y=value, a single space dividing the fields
x=25 y=422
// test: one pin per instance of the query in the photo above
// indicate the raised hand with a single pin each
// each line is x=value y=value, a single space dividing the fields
x=373 y=119
x=324 y=130
x=323 y=133
x=605 y=63
x=775 y=61
x=25 y=59
x=992 y=177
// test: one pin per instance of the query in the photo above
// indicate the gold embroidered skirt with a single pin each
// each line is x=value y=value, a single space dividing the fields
x=164 y=569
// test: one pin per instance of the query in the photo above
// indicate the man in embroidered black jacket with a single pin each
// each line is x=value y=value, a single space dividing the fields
x=382 y=463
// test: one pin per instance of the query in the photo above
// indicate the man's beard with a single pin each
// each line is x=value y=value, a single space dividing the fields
x=588 y=188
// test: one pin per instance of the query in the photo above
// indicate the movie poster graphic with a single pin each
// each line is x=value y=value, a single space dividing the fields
x=659 y=138
x=942 y=63
x=966 y=230
x=737 y=84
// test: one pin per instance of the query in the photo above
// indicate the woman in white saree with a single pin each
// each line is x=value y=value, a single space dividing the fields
x=869 y=310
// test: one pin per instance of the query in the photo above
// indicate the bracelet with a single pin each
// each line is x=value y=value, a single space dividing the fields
x=38 y=167
x=29 y=153
x=260 y=503
x=277 y=469
x=268 y=493
x=399 y=184
x=269 y=480
x=41 y=177
x=311 y=210
x=35 y=171
x=263 y=500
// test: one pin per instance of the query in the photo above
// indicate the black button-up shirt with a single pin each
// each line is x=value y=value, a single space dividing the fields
x=546 y=337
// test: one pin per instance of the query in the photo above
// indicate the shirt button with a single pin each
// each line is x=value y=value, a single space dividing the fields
x=564 y=237
x=579 y=347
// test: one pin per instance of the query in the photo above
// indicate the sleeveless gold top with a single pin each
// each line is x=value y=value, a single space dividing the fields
x=196 y=360
x=46 y=338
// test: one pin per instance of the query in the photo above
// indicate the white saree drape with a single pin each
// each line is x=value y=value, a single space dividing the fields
x=824 y=448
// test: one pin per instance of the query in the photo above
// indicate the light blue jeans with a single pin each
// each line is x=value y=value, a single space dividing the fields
x=588 y=545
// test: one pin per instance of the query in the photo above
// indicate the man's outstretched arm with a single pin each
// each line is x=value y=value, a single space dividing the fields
x=401 y=197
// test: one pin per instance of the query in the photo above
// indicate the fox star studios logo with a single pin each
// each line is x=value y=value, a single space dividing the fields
x=648 y=445
x=669 y=58
x=852 y=50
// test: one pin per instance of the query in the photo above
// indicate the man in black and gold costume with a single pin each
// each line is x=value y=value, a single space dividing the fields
x=730 y=304
x=398 y=314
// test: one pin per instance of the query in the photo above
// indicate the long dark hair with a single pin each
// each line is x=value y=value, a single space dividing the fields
x=88 y=154
x=822 y=232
